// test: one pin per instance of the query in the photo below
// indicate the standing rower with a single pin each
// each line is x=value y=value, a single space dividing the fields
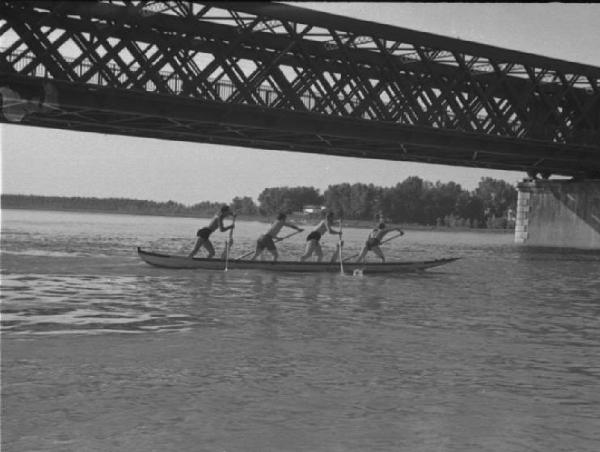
x=266 y=240
x=312 y=240
x=374 y=240
x=204 y=233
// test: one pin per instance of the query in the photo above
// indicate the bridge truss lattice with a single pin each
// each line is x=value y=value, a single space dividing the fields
x=274 y=76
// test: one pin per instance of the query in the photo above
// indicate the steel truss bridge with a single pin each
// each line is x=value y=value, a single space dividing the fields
x=274 y=76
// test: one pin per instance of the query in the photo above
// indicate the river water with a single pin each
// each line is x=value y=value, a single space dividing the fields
x=498 y=351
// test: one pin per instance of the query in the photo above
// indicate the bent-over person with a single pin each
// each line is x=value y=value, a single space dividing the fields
x=204 y=233
x=266 y=240
x=374 y=240
x=312 y=240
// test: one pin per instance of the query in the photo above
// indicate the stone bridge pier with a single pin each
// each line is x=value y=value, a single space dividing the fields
x=559 y=213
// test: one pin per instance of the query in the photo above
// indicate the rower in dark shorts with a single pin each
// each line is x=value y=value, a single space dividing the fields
x=204 y=233
x=312 y=240
x=266 y=240
x=374 y=240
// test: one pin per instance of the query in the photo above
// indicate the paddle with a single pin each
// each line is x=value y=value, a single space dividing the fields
x=228 y=243
x=288 y=236
x=340 y=247
x=386 y=240
x=276 y=240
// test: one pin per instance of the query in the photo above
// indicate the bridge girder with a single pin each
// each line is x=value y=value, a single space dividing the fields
x=279 y=77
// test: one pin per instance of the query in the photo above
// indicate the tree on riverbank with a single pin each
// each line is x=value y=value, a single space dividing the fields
x=287 y=199
x=496 y=195
x=412 y=201
x=244 y=206
x=415 y=201
x=117 y=205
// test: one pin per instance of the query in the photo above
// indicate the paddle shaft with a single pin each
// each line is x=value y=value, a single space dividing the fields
x=385 y=241
x=287 y=236
x=228 y=243
x=340 y=246
x=276 y=240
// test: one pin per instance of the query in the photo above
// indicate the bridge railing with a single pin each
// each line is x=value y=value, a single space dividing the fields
x=225 y=89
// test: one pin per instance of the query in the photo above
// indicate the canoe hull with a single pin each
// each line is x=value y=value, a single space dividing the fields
x=183 y=262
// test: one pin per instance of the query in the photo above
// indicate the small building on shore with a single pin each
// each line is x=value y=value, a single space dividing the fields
x=312 y=209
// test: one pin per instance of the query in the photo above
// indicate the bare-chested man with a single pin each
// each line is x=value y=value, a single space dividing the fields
x=204 y=233
x=374 y=240
x=312 y=240
x=266 y=240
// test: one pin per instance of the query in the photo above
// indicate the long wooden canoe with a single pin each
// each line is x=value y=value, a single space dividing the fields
x=170 y=261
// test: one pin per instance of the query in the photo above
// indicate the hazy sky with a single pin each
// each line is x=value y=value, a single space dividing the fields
x=56 y=162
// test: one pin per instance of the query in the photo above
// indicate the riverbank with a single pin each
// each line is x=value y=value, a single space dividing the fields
x=301 y=220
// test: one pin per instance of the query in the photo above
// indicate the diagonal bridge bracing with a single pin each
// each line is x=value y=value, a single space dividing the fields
x=273 y=76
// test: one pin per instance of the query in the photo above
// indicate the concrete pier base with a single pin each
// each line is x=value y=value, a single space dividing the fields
x=559 y=213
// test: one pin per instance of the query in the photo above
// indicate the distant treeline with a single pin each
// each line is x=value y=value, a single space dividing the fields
x=120 y=205
x=413 y=201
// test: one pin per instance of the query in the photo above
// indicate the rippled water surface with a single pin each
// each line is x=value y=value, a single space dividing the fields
x=499 y=351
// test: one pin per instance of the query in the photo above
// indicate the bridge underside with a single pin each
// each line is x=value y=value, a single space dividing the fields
x=80 y=107
x=273 y=76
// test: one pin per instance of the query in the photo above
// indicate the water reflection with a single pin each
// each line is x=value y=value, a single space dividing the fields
x=311 y=294
x=263 y=283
